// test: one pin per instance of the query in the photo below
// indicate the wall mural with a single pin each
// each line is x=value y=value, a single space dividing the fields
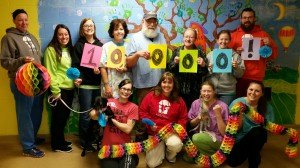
x=277 y=17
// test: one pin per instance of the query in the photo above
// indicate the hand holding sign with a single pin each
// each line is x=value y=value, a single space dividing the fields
x=91 y=56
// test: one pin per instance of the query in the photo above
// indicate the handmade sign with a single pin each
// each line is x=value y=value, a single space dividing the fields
x=222 y=61
x=32 y=79
x=251 y=48
x=116 y=57
x=158 y=55
x=91 y=56
x=188 y=61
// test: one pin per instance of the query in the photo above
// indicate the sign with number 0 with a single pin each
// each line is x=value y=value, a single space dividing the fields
x=222 y=60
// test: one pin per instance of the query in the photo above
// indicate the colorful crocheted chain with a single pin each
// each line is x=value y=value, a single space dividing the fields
x=214 y=160
x=291 y=149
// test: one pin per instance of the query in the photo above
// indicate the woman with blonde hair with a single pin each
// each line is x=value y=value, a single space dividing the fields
x=189 y=82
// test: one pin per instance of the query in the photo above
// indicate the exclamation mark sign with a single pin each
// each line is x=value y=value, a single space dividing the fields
x=250 y=50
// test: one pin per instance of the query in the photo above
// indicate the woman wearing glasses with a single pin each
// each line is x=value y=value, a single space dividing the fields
x=118 y=130
x=89 y=80
x=189 y=83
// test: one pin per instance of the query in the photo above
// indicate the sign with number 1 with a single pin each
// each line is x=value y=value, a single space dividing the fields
x=91 y=56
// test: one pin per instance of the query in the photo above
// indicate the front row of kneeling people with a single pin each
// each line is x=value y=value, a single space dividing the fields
x=164 y=103
x=205 y=121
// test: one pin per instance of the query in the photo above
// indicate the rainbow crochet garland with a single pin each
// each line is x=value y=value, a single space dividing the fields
x=217 y=158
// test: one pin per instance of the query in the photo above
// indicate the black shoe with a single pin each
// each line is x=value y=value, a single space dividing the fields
x=89 y=148
x=66 y=149
x=39 y=140
x=67 y=143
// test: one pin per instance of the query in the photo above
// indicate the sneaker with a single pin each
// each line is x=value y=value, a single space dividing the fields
x=66 y=149
x=34 y=152
x=67 y=143
x=39 y=140
x=89 y=148
x=173 y=160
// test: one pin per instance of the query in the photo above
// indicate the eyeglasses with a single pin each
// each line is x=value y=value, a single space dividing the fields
x=189 y=37
x=247 y=18
x=126 y=90
x=88 y=26
x=150 y=21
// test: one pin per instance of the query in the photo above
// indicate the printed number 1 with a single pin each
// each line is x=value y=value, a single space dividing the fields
x=91 y=52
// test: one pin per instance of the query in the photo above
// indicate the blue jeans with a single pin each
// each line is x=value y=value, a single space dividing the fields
x=86 y=100
x=227 y=99
x=29 y=116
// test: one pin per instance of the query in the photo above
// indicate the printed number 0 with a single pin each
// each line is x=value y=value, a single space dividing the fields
x=157 y=57
x=187 y=61
x=222 y=61
x=116 y=53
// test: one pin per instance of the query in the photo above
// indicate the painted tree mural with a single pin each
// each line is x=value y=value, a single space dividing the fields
x=182 y=14
x=208 y=17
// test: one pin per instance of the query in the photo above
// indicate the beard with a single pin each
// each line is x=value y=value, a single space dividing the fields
x=150 y=33
x=249 y=27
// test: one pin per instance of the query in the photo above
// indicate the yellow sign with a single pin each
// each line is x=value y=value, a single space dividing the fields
x=188 y=61
x=158 y=55
x=116 y=57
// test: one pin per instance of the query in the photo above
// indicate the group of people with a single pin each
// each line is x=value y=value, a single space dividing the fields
x=199 y=102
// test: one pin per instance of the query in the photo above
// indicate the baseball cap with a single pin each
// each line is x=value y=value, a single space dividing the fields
x=150 y=15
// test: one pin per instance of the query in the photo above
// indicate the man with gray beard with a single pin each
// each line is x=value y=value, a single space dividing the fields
x=144 y=78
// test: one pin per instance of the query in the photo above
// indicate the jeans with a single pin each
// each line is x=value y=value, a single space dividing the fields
x=227 y=99
x=86 y=100
x=29 y=116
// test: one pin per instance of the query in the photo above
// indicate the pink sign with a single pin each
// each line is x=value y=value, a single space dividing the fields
x=91 y=56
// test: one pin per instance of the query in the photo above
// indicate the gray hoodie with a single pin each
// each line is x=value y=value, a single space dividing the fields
x=225 y=82
x=15 y=46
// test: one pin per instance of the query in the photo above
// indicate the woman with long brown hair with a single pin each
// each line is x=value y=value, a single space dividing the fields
x=164 y=106
x=89 y=80
x=251 y=136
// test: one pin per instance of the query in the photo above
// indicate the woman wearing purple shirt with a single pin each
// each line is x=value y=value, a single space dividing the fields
x=208 y=117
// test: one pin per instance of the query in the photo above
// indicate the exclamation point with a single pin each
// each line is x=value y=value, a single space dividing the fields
x=250 y=50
